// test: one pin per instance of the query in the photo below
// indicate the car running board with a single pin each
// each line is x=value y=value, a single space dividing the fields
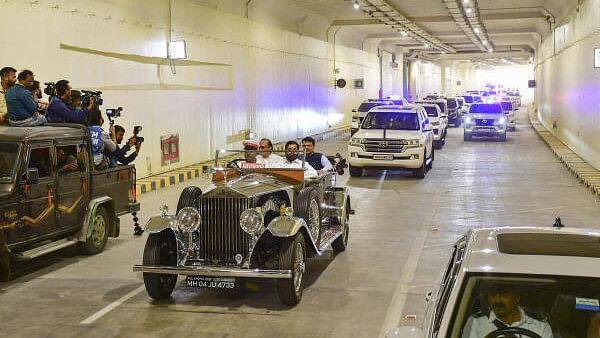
x=44 y=249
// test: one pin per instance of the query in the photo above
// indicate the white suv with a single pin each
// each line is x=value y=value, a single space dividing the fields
x=510 y=111
x=485 y=119
x=439 y=123
x=359 y=114
x=393 y=137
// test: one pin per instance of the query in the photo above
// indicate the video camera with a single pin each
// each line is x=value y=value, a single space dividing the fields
x=338 y=162
x=113 y=113
x=50 y=89
x=136 y=131
x=87 y=95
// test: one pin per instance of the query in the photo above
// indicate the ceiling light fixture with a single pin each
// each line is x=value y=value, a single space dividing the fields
x=469 y=10
x=491 y=50
x=476 y=30
x=484 y=42
x=356 y=5
x=404 y=33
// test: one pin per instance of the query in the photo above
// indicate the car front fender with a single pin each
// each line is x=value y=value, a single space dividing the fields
x=157 y=224
x=288 y=226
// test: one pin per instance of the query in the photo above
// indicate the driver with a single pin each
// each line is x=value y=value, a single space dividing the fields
x=505 y=312
x=250 y=154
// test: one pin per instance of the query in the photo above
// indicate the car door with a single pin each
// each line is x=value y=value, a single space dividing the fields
x=36 y=211
x=72 y=165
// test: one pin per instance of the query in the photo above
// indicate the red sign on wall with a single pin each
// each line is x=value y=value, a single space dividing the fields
x=169 y=147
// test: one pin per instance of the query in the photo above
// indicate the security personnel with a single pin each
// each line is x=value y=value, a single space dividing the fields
x=316 y=160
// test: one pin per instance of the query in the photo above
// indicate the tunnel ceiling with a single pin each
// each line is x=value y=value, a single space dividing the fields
x=511 y=28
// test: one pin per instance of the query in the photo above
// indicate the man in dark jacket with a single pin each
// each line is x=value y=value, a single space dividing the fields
x=119 y=156
x=59 y=112
x=316 y=160
x=22 y=108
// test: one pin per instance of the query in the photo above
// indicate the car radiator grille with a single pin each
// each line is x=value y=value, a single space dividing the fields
x=485 y=122
x=221 y=237
x=384 y=145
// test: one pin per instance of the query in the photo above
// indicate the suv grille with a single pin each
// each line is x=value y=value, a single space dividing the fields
x=485 y=122
x=221 y=237
x=385 y=145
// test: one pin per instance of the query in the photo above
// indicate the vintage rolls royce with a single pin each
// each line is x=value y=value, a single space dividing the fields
x=253 y=222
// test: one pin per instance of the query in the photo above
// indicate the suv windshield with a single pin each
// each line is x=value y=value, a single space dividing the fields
x=391 y=120
x=365 y=107
x=486 y=108
x=558 y=306
x=431 y=111
x=506 y=105
x=468 y=99
x=452 y=103
x=9 y=153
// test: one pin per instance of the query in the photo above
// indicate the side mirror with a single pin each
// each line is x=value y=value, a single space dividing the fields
x=428 y=296
x=405 y=332
x=354 y=110
x=32 y=176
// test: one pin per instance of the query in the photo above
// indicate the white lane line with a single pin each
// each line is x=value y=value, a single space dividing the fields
x=396 y=306
x=111 y=306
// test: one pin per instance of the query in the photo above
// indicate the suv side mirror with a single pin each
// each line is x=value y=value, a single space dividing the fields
x=354 y=110
x=32 y=176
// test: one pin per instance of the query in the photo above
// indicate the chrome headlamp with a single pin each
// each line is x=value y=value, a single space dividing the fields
x=414 y=143
x=188 y=219
x=501 y=121
x=357 y=142
x=251 y=221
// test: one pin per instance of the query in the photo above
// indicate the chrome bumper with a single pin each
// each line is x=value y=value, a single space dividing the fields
x=210 y=271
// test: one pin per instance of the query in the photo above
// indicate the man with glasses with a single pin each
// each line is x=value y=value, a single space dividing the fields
x=266 y=156
x=292 y=161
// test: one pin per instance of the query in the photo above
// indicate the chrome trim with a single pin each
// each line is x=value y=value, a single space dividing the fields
x=213 y=271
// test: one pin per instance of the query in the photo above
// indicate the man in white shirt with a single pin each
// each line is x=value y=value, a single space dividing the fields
x=266 y=155
x=505 y=313
x=291 y=160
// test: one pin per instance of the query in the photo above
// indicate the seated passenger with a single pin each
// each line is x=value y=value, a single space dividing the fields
x=292 y=161
x=101 y=141
x=505 y=312
x=316 y=160
x=65 y=164
x=22 y=108
x=266 y=155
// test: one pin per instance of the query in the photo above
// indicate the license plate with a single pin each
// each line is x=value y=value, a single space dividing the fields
x=383 y=157
x=210 y=282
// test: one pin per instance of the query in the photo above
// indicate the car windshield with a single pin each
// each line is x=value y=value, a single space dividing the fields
x=452 y=103
x=365 y=107
x=506 y=105
x=486 y=108
x=431 y=111
x=9 y=153
x=442 y=106
x=549 y=306
x=468 y=99
x=391 y=120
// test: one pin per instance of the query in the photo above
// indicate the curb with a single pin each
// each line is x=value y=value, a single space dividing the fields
x=583 y=171
x=179 y=175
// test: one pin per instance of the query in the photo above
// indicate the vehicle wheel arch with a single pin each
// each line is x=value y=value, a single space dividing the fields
x=87 y=226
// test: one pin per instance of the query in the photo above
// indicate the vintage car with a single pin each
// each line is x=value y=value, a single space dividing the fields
x=52 y=197
x=516 y=282
x=254 y=222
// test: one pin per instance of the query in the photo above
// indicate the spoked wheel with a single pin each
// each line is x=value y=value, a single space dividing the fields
x=307 y=208
x=292 y=256
x=160 y=250
x=341 y=242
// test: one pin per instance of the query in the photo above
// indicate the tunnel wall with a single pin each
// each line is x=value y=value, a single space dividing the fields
x=240 y=75
x=568 y=85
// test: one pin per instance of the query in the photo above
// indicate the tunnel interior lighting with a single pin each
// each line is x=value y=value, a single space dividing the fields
x=404 y=33
x=491 y=50
x=176 y=50
x=469 y=10
x=356 y=5
x=476 y=30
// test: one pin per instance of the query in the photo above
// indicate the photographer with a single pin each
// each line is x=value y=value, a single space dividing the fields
x=59 y=112
x=102 y=142
x=118 y=157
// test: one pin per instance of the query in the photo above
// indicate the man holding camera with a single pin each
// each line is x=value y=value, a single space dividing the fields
x=59 y=112
x=118 y=157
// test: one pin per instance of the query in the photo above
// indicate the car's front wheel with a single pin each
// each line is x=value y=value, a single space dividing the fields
x=467 y=138
x=292 y=256
x=503 y=138
x=341 y=242
x=420 y=172
x=355 y=171
x=431 y=159
x=160 y=250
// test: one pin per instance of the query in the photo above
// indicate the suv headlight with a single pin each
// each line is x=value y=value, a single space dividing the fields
x=414 y=143
x=357 y=142
x=468 y=120
x=188 y=219
x=251 y=221
x=501 y=121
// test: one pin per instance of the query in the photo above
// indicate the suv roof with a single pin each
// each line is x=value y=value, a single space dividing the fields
x=40 y=133
x=533 y=250
x=394 y=108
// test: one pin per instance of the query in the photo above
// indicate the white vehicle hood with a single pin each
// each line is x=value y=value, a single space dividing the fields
x=389 y=134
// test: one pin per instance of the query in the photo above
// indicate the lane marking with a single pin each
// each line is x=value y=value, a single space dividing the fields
x=91 y=319
x=396 y=306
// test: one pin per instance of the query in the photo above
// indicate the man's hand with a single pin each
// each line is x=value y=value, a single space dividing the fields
x=132 y=141
x=138 y=146
x=70 y=166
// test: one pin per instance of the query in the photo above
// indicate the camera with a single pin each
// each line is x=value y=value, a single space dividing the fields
x=338 y=162
x=50 y=89
x=136 y=131
x=88 y=95
x=113 y=113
